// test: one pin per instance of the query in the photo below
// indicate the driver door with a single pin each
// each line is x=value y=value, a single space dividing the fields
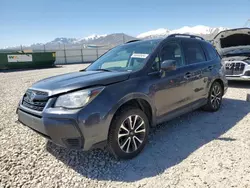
x=171 y=90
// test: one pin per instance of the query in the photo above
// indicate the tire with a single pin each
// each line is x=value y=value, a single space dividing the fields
x=124 y=141
x=214 y=98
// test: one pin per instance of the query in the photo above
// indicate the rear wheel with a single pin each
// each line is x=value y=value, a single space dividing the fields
x=128 y=133
x=214 y=98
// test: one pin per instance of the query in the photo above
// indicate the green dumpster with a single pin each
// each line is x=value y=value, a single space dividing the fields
x=27 y=60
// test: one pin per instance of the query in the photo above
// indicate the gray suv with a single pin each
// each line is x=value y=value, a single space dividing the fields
x=126 y=91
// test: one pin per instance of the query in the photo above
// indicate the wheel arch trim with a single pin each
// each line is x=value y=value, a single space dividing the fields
x=129 y=97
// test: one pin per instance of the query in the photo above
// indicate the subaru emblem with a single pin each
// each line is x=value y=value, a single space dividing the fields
x=31 y=96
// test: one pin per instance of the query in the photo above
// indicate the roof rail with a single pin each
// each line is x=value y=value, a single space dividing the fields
x=133 y=41
x=185 y=35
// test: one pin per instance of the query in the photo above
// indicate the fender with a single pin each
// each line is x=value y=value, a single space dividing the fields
x=217 y=79
x=129 y=97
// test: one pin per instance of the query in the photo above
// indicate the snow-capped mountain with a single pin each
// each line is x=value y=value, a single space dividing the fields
x=64 y=40
x=196 y=30
x=111 y=39
x=99 y=40
x=119 y=38
x=154 y=33
x=93 y=37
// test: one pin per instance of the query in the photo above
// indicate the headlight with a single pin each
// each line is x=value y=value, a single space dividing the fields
x=77 y=99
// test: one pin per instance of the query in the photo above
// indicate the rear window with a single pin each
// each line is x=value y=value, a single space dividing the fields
x=193 y=52
x=210 y=51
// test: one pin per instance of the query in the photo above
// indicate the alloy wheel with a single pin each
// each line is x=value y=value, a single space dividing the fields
x=216 y=96
x=131 y=133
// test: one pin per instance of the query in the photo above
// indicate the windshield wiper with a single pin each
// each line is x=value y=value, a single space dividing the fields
x=106 y=70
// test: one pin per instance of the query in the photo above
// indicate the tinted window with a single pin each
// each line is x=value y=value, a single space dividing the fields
x=172 y=51
x=193 y=52
x=156 y=64
x=211 y=53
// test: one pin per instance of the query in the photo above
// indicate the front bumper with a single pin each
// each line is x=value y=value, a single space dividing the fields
x=62 y=132
x=80 y=129
x=243 y=74
x=240 y=78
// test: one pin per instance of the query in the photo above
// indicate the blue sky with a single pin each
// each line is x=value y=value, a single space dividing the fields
x=31 y=21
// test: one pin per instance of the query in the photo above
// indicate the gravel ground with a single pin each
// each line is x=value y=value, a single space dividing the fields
x=199 y=149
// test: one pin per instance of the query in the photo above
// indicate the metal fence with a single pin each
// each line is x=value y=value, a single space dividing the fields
x=67 y=54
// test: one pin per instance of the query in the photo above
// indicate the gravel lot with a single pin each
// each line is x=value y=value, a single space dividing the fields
x=199 y=149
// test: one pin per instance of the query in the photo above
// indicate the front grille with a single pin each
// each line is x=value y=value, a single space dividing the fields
x=35 y=100
x=40 y=93
x=234 y=68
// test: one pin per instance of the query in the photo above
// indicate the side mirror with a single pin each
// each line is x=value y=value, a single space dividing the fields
x=168 y=65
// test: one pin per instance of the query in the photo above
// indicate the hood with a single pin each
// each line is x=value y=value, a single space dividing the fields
x=72 y=81
x=234 y=39
x=236 y=58
x=240 y=51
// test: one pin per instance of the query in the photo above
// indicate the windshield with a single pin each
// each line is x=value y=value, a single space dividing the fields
x=128 y=57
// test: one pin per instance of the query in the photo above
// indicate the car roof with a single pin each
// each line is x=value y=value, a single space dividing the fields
x=183 y=37
x=178 y=37
x=145 y=40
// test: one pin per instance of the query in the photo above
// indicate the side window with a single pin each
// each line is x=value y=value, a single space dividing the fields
x=193 y=52
x=172 y=51
x=211 y=52
x=156 y=64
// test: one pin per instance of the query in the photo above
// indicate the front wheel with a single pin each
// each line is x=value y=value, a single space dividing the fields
x=128 y=133
x=214 y=98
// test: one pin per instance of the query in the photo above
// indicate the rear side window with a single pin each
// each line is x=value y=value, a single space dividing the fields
x=193 y=52
x=211 y=52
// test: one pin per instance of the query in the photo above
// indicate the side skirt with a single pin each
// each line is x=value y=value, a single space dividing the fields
x=183 y=110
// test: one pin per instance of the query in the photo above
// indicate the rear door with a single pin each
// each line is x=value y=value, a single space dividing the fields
x=197 y=68
x=213 y=63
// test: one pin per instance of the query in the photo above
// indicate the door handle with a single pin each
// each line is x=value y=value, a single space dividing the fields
x=187 y=75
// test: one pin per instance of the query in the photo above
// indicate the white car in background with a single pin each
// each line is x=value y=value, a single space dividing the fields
x=234 y=47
